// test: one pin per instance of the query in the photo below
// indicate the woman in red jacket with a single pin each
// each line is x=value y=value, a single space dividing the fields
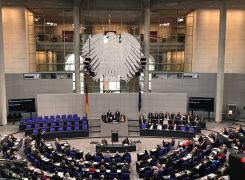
x=92 y=168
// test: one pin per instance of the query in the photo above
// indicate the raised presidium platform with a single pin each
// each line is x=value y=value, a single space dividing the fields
x=167 y=133
x=63 y=134
x=116 y=147
x=106 y=128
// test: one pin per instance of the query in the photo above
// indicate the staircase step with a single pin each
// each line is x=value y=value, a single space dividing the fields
x=92 y=129
x=94 y=134
x=130 y=129
x=133 y=133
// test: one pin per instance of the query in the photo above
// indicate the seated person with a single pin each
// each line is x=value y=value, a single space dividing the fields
x=239 y=129
x=115 y=118
x=106 y=120
x=165 y=121
x=103 y=117
x=189 y=147
x=172 y=115
x=142 y=121
x=104 y=142
x=151 y=126
x=196 y=124
x=122 y=116
x=188 y=123
x=124 y=169
x=175 y=127
x=231 y=135
x=160 y=116
x=159 y=121
x=125 y=141
x=159 y=127
x=107 y=154
x=187 y=143
x=167 y=127
x=222 y=154
x=154 y=116
x=202 y=120
x=126 y=154
x=113 y=163
x=113 y=169
x=168 y=116
x=122 y=119
x=149 y=121
x=173 y=122
x=117 y=155
x=224 y=131
x=188 y=118
x=181 y=123
x=178 y=117
x=211 y=135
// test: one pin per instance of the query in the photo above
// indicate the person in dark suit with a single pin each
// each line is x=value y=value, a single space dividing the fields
x=125 y=141
x=103 y=117
x=172 y=115
x=192 y=173
x=117 y=155
x=10 y=143
x=51 y=164
x=109 y=113
x=56 y=176
x=156 y=115
x=98 y=153
x=203 y=144
x=33 y=176
x=88 y=156
x=211 y=135
x=4 y=147
x=202 y=169
x=141 y=117
x=115 y=118
x=117 y=113
x=189 y=147
x=113 y=169
x=150 y=115
x=55 y=156
x=63 y=166
x=216 y=142
x=122 y=116
x=147 y=167
x=199 y=138
x=8 y=154
x=224 y=131
x=113 y=163
x=208 y=150
x=158 y=148
x=102 y=163
x=39 y=136
x=104 y=142
x=184 y=175
x=72 y=167
x=153 y=160
x=208 y=163
x=126 y=154
x=124 y=169
x=188 y=123
x=13 y=138
x=180 y=161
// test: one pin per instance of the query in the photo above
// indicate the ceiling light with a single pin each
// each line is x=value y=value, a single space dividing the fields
x=180 y=19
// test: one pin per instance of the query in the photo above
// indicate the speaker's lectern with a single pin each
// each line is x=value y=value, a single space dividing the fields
x=114 y=136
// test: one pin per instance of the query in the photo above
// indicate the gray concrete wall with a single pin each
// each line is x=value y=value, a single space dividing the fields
x=205 y=86
x=127 y=103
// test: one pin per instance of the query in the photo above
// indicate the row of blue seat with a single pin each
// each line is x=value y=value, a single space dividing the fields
x=54 y=124
x=84 y=127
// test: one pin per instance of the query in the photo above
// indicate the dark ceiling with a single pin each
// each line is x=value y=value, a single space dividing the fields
x=124 y=4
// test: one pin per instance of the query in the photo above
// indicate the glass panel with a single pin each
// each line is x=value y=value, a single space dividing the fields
x=168 y=12
x=54 y=12
x=54 y=20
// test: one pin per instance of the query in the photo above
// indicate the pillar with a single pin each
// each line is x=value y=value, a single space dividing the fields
x=147 y=48
x=221 y=62
x=3 y=103
x=77 y=49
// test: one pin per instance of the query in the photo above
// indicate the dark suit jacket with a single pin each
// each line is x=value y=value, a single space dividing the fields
x=189 y=147
x=202 y=170
x=125 y=155
x=207 y=152
x=209 y=163
x=150 y=115
x=117 y=156
x=203 y=145
x=184 y=176
x=63 y=166
x=113 y=163
x=123 y=116
x=88 y=157
x=56 y=177
x=98 y=154
x=140 y=117
x=108 y=113
x=117 y=113
x=4 y=148
x=103 y=117
x=71 y=168
x=125 y=170
x=113 y=170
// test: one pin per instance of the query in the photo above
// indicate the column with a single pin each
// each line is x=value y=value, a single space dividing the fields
x=147 y=48
x=77 y=49
x=221 y=62
x=3 y=103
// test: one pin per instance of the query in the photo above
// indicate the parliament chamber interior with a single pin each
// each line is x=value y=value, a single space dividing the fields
x=122 y=89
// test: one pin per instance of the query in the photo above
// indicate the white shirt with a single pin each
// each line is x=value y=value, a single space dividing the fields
x=159 y=127
x=151 y=127
x=165 y=122
x=174 y=128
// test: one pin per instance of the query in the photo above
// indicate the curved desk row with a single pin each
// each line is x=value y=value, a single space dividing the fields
x=167 y=133
x=63 y=134
x=56 y=128
x=22 y=127
x=197 y=129
x=202 y=123
x=116 y=147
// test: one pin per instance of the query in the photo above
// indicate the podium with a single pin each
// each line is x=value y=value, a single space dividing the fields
x=114 y=136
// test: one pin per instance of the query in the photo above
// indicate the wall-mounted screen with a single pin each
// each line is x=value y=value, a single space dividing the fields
x=21 y=105
x=201 y=104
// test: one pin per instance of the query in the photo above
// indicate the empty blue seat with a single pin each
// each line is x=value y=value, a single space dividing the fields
x=57 y=116
x=84 y=122
x=51 y=120
x=59 y=169
x=68 y=123
x=28 y=126
x=35 y=131
x=147 y=174
x=29 y=121
x=154 y=164
x=28 y=118
x=61 y=124
x=38 y=165
x=207 y=171
x=68 y=128
x=143 y=126
x=45 y=125
x=40 y=118
x=60 y=129
x=57 y=119
x=182 y=128
x=160 y=174
x=46 y=117
x=77 y=118
x=97 y=158
x=22 y=122
x=44 y=130
x=194 y=177
x=64 y=117
x=32 y=161
x=76 y=128
x=74 y=115
x=51 y=117
x=72 y=154
x=52 y=129
x=212 y=168
x=84 y=118
x=117 y=160
x=107 y=159
x=147 y=156
x=85 y=127
x=168 y=171
x=34 y=118
x=191 y=129
x=69 y=115
x=76 y=123
x=51 y=156
x=128 y=159
x=53 y=124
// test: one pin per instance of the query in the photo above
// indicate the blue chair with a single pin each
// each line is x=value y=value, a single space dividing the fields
x=47 y=155
x=64 y=118
x=97 y=158
x=40 y=118
x=37 y=126
x=28 y=126
x=76 y=174
x=74 y=115
x=146 y=157
x=128 y=159
x=38 y=165
x=78 y=118
x=199 y=157
x=168 y=148
x=223 y=159
x=46 y=117
x=143 y=126
x=28 y=118
x=220 y=142
x=57 y=119
x=212 y=168
x=168 y=171
x=154 y=164
x=207 y=171
x=191 y=129
x=147 y=174
x=69 y=116
x=51 y=156
x=107 y=159
x=85 y=126
x=51 y=117
x=29 y=157
x=60 y=129
x=45 y=125
x=84 y=118
x=118 y=160
x=22 y=122
x=90 y=173
x=125 y=176
x=203 y=153
x=160 y=153
x=69 y=171
x=51 y=120
x=44 y=130
x=52 y=129
x=160 y=174
x=194 y=177
x=84 y=122
x=193 y=164
x=182 y=128
x=35 y=131
x=165 y=151
x=61 y=124
x=72 y=154
x=59 y=169
x=32 y=161
x=113 y=175
x=68 y=123
x=57 y=116
x=185 y=178
x=77 y=128
x=76 y=123
x=53 y=124
x=66 y=152
x=57 y=147
x=29 y=121
x=68 y=128
x=173 y=143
